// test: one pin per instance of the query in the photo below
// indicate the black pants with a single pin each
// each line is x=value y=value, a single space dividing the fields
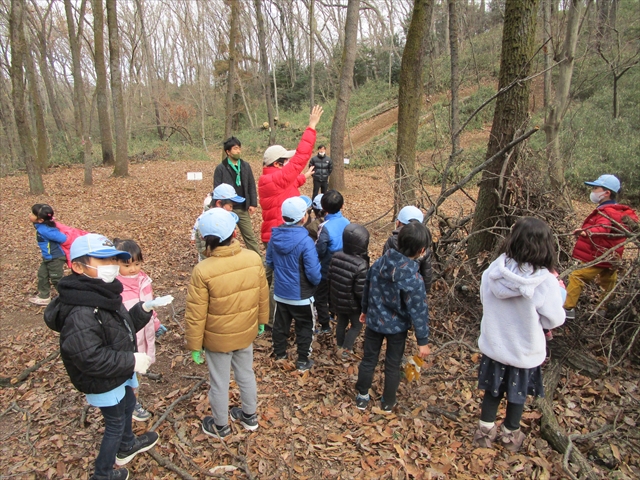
x=319 y=186
x=322 y=303
x=345 y=338
x=395 y=351
x=303 y=316
x=490 y=406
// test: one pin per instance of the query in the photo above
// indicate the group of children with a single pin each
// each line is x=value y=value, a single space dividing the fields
x=108 y=327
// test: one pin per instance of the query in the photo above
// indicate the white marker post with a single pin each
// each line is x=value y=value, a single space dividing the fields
x=194 y=176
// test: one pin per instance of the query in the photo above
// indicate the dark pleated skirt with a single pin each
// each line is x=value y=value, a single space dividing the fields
x=497 y=378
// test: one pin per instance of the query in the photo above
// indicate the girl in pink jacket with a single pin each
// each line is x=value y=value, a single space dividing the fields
x=136 y=287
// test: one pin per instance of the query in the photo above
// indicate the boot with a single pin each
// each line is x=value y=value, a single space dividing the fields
x=512 y=440
x=484 y=436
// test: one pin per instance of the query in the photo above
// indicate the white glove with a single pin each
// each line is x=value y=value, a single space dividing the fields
x=157 y=302
x=143 y=361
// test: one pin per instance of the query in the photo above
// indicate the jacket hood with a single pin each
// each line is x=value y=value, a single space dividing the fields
x=395 y=267
x=508 y=280
x=56 y=313
x=286 y=238
x=355 y=240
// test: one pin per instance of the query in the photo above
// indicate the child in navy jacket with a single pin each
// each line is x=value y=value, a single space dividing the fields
x=394 y=298
x=292 y=256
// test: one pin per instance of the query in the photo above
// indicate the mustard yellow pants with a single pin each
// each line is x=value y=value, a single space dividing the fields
x=579 y=278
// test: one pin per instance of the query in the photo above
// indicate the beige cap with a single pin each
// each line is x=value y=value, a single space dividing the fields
x=275 y=152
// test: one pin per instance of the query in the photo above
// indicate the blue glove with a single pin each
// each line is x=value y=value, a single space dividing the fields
x=157 y=302
x=161 y=331
x=197 y=356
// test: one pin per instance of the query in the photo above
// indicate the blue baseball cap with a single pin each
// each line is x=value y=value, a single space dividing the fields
x=97 y=246
x=224 y=191
x=295 y=208
x=217 y=221
x=610 y=182
x=307 y=200
x=317 y=202
x=409 y=213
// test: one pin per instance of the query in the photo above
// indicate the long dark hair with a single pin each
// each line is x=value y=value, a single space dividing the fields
x=44 y=212
x=212 y=242
x=531 y=241
x=131 y=247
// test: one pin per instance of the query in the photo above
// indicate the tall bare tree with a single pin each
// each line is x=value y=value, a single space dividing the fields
x=410 y=101
x=42 y=138
x=558 y=108
x=231 y=76
x=264 y=70
x=510 y=117
x=120 y=119
x=8 y=125
x=344 y=94
x=312 y=42
x=18 y=84
x=82 y=127
x=102 y=95
x=454 y=28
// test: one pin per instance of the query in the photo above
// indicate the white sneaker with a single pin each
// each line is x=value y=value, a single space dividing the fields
x=40 y=301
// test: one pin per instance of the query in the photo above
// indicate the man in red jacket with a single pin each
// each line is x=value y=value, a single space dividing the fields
x=282 y=175
x=601 y=231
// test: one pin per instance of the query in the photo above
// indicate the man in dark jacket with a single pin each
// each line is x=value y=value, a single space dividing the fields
x=237 y=173
x=98 y=346
x=406 y=215
x=323 y=168
x=347 y=275
x=292 y=256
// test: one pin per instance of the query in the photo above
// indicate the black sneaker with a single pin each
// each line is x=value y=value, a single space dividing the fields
x=118 y=474
x=279 y=357
x=362 y=401
x=570 y=314
x=324 y=330
x=142 y=443
x=210 y=428
x=385 y=407
x=249 y=422
x=304 y=365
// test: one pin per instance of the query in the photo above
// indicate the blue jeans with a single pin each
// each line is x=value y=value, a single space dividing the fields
x=118 y=434
x=393 y=359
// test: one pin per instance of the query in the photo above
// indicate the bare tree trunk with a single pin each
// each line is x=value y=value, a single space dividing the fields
x=78 y=87
x=231 y=76
x=510 y=117
x=23 y=124
x=558 y=108
x=312 y=63
x=410 y=102
x=455 y=84
x=42 y=139
x=264 y=66
x=338 y=126
x=119 y=116
x=102 y=96
x=8 y=125
x=547 y=54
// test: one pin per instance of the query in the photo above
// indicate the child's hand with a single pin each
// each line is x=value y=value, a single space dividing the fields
x=310 y=171
x=196 y=356
x=314 y=118
x=142 y=362
x=424 y=351
x=157 y=302
x=363 y=318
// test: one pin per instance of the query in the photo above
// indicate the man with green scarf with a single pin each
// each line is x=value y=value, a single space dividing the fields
x=237 y=173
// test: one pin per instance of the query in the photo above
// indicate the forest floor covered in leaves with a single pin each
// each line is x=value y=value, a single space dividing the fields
x=309 y=426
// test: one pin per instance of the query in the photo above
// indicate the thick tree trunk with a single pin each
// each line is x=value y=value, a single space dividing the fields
x=23 y=123
x=264 y=67
x=42 y=138
x=338 y=126
x=78 y=87
x=231 y=76
x=558 y=108
x=119 y=116
x=102 y=95
x=510 y=117
x=410 y=102
x=8 y=125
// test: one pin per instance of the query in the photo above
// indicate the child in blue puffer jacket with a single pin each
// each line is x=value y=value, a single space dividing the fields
x=394 y=298
x=292 y=256
x=49 y=239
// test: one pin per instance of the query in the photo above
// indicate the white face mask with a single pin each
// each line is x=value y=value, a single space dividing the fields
x=596 y=197
x=320 y=154
x=106 y=273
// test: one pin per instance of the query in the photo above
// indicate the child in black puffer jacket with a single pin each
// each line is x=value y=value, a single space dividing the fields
x=347 y=275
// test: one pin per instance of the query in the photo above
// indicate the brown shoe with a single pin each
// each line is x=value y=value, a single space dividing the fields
x=512 y=441
x=484 y=436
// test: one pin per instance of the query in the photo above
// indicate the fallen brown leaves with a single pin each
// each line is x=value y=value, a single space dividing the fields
x=309 y=426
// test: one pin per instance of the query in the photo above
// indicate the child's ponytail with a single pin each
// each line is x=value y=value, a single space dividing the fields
x=212 y=242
